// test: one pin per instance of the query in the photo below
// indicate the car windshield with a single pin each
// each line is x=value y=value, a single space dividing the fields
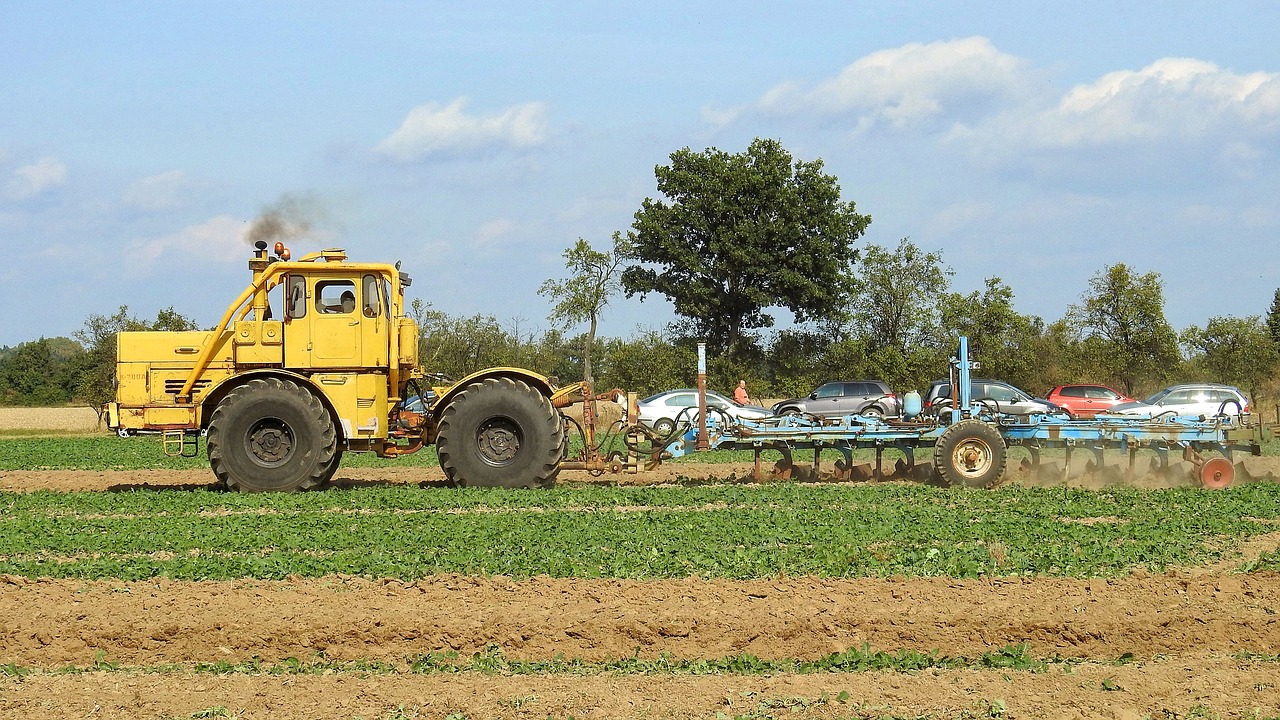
x=1152 y=400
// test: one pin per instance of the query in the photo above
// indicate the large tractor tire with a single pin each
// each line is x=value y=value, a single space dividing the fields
x=970 y=453
x=272 y=435
x=500 y=433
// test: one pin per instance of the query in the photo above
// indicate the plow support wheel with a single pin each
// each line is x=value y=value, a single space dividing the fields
x=1217 y=473
x=970 y=453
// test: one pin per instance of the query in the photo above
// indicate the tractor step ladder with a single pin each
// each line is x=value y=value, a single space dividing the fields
x=181 y=443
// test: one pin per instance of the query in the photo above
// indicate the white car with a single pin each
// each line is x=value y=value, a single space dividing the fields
x=1191 y=400
x=663 y=410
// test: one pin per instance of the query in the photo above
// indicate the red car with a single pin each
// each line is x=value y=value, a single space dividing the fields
x=1085 y=400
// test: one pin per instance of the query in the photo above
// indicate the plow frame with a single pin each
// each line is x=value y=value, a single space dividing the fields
x=1191 y=437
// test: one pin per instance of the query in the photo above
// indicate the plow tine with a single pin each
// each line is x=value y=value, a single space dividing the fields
x=1109 y=474
x=841 y=472
x=1180 y=473
x=861 y=472
x=784 y=469
x=1050 y=472
x=912 y=471
x=1243 y=475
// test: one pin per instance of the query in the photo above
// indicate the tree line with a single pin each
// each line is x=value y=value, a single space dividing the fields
x=903 y=334
x=735 y=240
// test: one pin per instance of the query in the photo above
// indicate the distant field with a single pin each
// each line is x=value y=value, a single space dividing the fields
x=59 y=420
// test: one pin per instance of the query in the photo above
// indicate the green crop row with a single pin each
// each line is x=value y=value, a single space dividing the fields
x=725 y=531
x=108 y=452
x=492 y=662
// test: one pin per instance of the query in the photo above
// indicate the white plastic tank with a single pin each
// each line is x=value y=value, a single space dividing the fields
x=910 y=404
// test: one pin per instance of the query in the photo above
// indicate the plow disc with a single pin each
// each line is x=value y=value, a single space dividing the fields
x=1217 y=473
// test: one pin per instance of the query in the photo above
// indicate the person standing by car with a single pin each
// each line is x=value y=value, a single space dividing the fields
x=740 y=394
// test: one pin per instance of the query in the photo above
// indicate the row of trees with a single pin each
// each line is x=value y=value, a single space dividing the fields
x=60 y=370
x=737 y=239
x=902 y=332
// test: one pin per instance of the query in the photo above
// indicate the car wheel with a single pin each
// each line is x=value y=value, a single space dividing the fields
x=872 y=412
x=664 y=426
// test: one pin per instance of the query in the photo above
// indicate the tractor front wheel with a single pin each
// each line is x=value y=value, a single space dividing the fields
x=500 y=432
x=271 y=435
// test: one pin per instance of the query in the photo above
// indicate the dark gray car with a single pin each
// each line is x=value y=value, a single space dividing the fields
x=861 y=397
x=999 y=396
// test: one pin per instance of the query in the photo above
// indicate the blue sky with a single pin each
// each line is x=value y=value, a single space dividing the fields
x=1035 y=141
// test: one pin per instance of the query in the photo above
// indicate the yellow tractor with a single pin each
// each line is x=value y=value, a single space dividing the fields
x=317 y=357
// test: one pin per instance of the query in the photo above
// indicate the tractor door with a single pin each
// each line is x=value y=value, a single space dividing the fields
x=335 y=324
x=324 y=322
x=375 y=311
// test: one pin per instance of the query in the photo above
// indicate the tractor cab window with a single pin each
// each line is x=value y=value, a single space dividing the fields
x=296 y=296
x=373 y=305
x=336 y=297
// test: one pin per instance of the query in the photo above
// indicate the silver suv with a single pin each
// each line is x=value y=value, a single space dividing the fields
x=870 y=398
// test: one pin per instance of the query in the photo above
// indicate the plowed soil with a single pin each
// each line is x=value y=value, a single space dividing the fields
x=1199 y=643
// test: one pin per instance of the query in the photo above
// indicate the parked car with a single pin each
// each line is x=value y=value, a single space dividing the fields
x=1001 y=396
x=1085 y=401
x=663 y=410
x=864 y=397
x=1191 y=400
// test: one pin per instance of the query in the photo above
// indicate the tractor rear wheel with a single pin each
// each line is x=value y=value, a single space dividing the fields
x=970 y=453
x=500 y=432
x=271 y=435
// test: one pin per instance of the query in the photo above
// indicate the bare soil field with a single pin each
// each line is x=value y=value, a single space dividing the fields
x=1183 y=632
x=58 y=420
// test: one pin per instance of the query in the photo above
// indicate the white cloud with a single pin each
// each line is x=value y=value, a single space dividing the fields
x=434 y=130
x=158 y=192
x=1170 y=100
x=31 y=180
x=1174 y=118
x=218 y=239
x=907 y=86
x=494 y=233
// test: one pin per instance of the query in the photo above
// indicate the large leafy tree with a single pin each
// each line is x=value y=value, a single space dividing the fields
x=581 y=297
x=1273 y=319
x=741 y=233
x=894 y=311
x=40 y=372
x=1120 y=321
x=1233 y=350
x=895 y=305
x=1000 y=338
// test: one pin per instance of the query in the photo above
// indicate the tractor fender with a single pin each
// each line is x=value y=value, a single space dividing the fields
x=216 y=393
x=541 y=383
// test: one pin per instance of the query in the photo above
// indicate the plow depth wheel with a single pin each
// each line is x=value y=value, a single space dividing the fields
x=970 y=453
x=1217 y=473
